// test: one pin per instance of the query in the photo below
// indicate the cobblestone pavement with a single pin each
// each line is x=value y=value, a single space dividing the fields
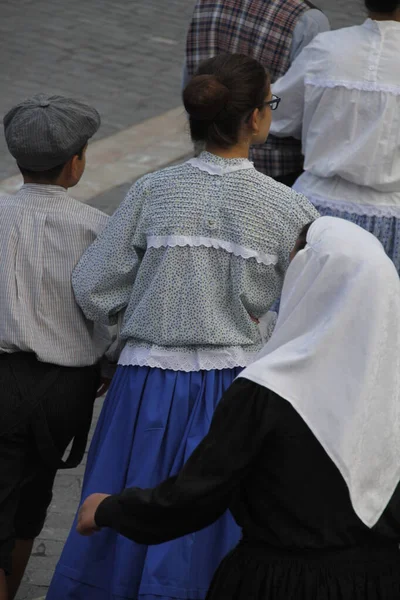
x=343 y=13
x=126 y=58
x=123 y=56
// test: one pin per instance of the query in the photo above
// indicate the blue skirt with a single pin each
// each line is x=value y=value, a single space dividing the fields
x=386 y=229
x=151 y=422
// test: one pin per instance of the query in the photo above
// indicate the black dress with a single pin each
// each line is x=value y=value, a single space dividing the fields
x=301 y=537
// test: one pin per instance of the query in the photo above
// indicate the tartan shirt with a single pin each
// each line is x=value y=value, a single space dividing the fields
x=264 y=30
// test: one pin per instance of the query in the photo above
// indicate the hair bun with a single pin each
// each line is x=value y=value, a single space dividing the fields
x=205 y=97
x=382 y=6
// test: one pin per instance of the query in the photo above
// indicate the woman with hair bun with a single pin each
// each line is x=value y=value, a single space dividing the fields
x=342 y=97
x=195 y=255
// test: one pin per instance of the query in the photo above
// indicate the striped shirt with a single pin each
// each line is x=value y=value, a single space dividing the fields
x=43 y=233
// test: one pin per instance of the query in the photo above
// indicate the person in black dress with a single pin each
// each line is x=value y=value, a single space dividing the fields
x=304 y=447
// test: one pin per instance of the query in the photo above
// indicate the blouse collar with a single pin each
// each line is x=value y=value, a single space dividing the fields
x=381 y=25
x=216 y=165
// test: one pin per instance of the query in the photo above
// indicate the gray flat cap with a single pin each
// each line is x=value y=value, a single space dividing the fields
x=46 y=131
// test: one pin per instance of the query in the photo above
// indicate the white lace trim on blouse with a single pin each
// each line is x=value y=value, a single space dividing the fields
x=197 y=241
x=187 y=360
x=363 y=86
x=220 y=169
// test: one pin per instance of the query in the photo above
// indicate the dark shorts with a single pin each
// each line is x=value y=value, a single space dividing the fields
x=30 y=452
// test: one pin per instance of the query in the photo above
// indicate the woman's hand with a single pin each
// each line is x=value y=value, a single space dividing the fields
x=86 y=523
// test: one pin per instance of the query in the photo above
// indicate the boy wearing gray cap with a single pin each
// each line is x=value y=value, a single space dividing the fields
x=49 y=352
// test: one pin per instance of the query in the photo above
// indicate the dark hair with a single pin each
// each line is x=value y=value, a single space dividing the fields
x=222 y=94
x=384 y=7
x=51 y=174
x=302 y=239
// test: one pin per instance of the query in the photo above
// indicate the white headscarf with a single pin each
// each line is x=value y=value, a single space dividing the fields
x=335 y=356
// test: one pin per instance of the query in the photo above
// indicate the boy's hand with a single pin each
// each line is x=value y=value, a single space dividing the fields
x=103 y=387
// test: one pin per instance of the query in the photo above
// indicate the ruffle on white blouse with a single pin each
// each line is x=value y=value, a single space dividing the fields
x=221 y=169
x=196 y=241
x=369 y=210
x=362 y=86
x=187 y=359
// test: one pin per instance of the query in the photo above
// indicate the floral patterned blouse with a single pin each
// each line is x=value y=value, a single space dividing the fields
x=191 y=255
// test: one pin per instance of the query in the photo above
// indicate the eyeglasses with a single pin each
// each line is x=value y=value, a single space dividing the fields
x=274 y=103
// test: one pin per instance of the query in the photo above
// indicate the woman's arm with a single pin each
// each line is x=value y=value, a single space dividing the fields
x=310 y=24
x=288 y=119
x=262 y=284
x=103 y=278
x=202 y=491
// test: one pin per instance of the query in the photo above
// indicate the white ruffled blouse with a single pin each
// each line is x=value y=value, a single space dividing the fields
x=193 y=252
x=341 y=96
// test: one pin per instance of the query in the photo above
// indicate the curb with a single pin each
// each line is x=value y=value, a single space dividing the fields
x=127 y=155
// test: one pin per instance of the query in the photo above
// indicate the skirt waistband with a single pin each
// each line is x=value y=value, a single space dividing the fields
x=346 y=556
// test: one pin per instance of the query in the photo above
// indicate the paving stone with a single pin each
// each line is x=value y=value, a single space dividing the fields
x=113 y=54
x=343 y=13
x=26 y=590
x=109 y=201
